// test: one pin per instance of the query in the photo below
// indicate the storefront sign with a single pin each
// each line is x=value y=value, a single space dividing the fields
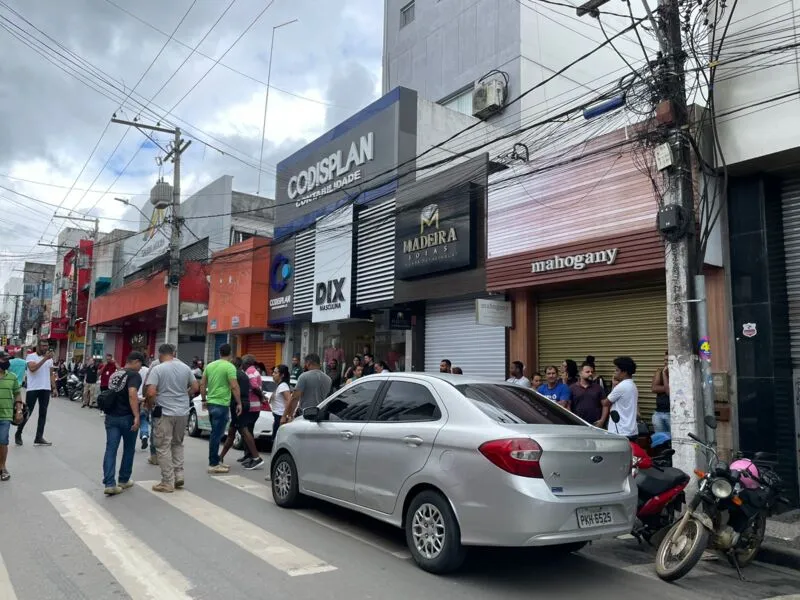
x=333 y=266
x=399 y=319
x=275 y=336
x=358 y=154
x=281 y=282
x=496 y=313
x=213 y=325
x=436 y=235
x=235 y=321
x=575 y=261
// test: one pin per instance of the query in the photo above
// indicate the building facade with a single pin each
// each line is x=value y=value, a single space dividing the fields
x=371 y=256
x=757 y=99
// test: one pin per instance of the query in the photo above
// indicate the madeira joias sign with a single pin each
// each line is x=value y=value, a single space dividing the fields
x=578 y=262
x=333 y=172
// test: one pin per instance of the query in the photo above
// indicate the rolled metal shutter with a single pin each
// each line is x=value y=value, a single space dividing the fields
x=790 y=196
x=265 y=352
x=452 y=333
x=304 y=272
x=375 y=264
x=626 y=323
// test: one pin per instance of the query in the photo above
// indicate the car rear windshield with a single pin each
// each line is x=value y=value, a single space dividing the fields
x=515 y=404
x=268 y=386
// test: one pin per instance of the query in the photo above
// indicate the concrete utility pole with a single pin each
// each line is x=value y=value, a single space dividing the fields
x=175 y=265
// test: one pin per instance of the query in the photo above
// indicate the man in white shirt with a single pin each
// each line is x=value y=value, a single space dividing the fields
x=517 y=371
x=41 y=381
x=624 y=399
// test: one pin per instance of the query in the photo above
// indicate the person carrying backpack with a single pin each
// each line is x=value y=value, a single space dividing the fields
x=120 y=404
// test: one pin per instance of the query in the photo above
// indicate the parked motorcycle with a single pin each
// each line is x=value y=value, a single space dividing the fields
x=728 y=514
x=661 y=491
x=74 y=388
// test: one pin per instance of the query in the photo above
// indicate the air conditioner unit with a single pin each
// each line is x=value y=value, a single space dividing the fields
x=488 y=98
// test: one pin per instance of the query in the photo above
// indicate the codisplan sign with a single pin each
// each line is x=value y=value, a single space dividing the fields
x=437 y=234
x=281 y=282
x=331 y=173
x=578 y=262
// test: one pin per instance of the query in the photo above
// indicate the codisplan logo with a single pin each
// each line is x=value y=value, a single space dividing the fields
x=434 y=239
x=330 y=295
x=279 y=276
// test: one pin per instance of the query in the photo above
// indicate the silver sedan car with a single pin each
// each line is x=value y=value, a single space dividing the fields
x=458 y=461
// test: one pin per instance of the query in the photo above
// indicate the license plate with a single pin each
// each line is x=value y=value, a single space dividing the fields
x=595 y=517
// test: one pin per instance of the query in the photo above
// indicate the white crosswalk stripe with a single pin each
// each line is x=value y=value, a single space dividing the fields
x=6 y=589
x=264 y=492
x=138 y=568
x=268 y=547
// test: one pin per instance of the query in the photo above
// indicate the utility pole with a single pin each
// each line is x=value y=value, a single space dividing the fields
x=175 y=265
x=676 y=223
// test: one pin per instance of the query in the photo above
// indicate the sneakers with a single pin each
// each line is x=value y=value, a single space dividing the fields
x=163 y=488
x=41 y=442
x=18 y=438
x=253 y=463
x=126 y=486
x=144 y=443
x=112 y=491
x=243 y=458
x=218 y=469
x=5 y=475
x=152 y=460
x=179 y=483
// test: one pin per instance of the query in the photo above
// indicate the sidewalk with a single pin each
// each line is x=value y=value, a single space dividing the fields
x=782 y=544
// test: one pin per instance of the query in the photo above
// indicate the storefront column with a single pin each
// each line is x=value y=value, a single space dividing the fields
x=522 y=336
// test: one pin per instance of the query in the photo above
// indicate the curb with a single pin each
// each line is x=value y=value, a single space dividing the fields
x=777 y=554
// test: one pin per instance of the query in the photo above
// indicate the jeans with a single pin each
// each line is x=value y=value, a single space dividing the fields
x=276 y=423
x=218 y=415
x=661 y=422
x=169 y=432
x=144 y=427
x=118 y=428
x=43 y=396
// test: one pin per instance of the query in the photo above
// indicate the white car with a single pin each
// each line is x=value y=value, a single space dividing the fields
x=199 y=422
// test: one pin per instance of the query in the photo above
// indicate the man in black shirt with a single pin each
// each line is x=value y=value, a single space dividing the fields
x=122 y=423
x=586 y=398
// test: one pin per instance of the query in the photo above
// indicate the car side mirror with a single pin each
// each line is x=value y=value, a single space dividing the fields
x=711 y=421
x=312 y=413
x=615 y=416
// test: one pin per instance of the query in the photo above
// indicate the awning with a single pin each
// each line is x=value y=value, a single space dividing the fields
x=148 y=294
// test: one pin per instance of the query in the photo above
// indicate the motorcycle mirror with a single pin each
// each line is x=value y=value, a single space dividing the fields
x=711 y=421
x=667 y=453
x=615 y=416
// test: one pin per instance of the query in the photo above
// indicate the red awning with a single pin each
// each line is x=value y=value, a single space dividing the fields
x=147 y=294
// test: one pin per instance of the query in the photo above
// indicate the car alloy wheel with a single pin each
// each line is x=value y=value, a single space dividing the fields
x=282 y=480
x=429 y=531
x=191 y=426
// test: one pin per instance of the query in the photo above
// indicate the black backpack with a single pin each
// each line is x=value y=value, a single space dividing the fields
x=117 y=384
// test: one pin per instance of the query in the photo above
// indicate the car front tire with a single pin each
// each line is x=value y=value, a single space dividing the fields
x=433 y=535
x=285 y=483
x=193 y=428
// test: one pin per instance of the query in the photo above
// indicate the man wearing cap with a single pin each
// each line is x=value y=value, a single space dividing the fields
x=10 y=401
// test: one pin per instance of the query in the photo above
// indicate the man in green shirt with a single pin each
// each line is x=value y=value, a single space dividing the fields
x=9 y=399
x=217 y=387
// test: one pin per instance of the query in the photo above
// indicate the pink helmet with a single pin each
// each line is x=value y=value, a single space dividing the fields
x=746 y=468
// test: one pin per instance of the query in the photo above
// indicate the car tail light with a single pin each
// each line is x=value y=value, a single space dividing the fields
x=518 y=456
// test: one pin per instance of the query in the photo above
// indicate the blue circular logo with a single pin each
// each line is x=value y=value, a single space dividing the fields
x=280 y=273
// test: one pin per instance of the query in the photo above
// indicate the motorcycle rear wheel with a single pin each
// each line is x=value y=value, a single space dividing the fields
x=691 y=545
x=757 y=531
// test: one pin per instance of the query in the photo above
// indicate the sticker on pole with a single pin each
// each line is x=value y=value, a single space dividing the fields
x=705 y=348
x=749 y=330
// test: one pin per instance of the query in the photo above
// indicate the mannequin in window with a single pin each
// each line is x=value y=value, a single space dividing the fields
x=334 y=352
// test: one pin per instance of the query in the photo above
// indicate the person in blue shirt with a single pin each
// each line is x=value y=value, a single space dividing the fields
x=18 y=368
x=554 y=389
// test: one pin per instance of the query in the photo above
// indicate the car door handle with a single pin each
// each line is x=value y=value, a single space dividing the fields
x=347 y=435
x=413 y=440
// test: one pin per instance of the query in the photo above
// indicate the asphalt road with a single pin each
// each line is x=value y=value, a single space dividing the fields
x=60 y=538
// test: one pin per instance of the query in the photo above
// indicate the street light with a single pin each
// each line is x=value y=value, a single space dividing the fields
x=266 y=99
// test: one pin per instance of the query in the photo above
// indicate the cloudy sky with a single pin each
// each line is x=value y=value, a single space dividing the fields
x=325 y=67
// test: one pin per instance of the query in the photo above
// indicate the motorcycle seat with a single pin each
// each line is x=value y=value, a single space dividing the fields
x=653 y=482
